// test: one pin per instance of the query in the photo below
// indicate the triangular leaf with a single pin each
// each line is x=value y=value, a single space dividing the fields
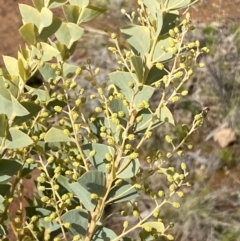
x=90 y=13
x=50 y=30
x=165 y=115
x=56 y=134
x=93 y=182
x=178 y=4
x=84 y=196
x=138 y=66
x=103 y=233
x=71 y=13
x=3 y=124
x=78 y=220
x=29 y=33
x=98 y=160
x=8 y=168
x=17 y=139
x=138 y=37
x=163 y=52
x=80 y=3
x=29 y=14
x=158 y=226
x=129 y=170
x=121 y=193
x=17 y=108
x=11 y=65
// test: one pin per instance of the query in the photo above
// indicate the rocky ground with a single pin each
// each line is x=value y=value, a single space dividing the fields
x=211 y=208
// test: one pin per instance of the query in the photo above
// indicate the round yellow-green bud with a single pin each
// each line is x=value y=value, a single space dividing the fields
x=202 y=65
x=108 y=166
x=73 y=85
x=121 y=114
x=170 y=237
x=110 y=141
x=172 y=187
x=53 y=215
x=131 y=84
x=184 y=93
x=147 y=228
x=53 y=66
x=123 y=213
x=161 y=193
x=183 y=166
x=17 y=220
x=128 y=146
x=45 y=114
x=57 y=239
x=34 y=218
x=92 y=153
x=180 y=153
x=131 y=137
x=97 y=70
x=168 y=139
x=103 y=134
x=45 y=199
x=108 y=157
x=94 y=196
x=41 y=179
x=113 y=36
x=176 y=30
x=125 y=103
x=76 y=237
x=156 y=213
x=175 y=99
x=58 y=72
x=78 y=71
x=148 y=134
x=171 y=33
x=181 y=177
x=176 y=205
x=190 y=146
x=170 y=178
x=139 y=119
x=100 y=91
x=75 y=176
x=30 y=226
x=125 y=224
x=98 y=109
x=118 y=182
x=171 y=42
x=128 y=54
x=78 y=102
x=41 y=188
x=180 y=194
x=66 y=132
x=160 y=66
x=30 y=160
x=138 y=186
x=190 y=72
x=57 y=108
x=47 y=237
x=123 y=11
x=92 y=97
x=76 y=164
x=133 y=155
x=136 y=213
x=50 y=159
x=55 y=187
x=64 y=197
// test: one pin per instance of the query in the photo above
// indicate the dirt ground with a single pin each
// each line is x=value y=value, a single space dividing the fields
x=10 y=19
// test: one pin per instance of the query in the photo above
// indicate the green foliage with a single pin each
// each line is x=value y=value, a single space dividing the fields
x=85 y=163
